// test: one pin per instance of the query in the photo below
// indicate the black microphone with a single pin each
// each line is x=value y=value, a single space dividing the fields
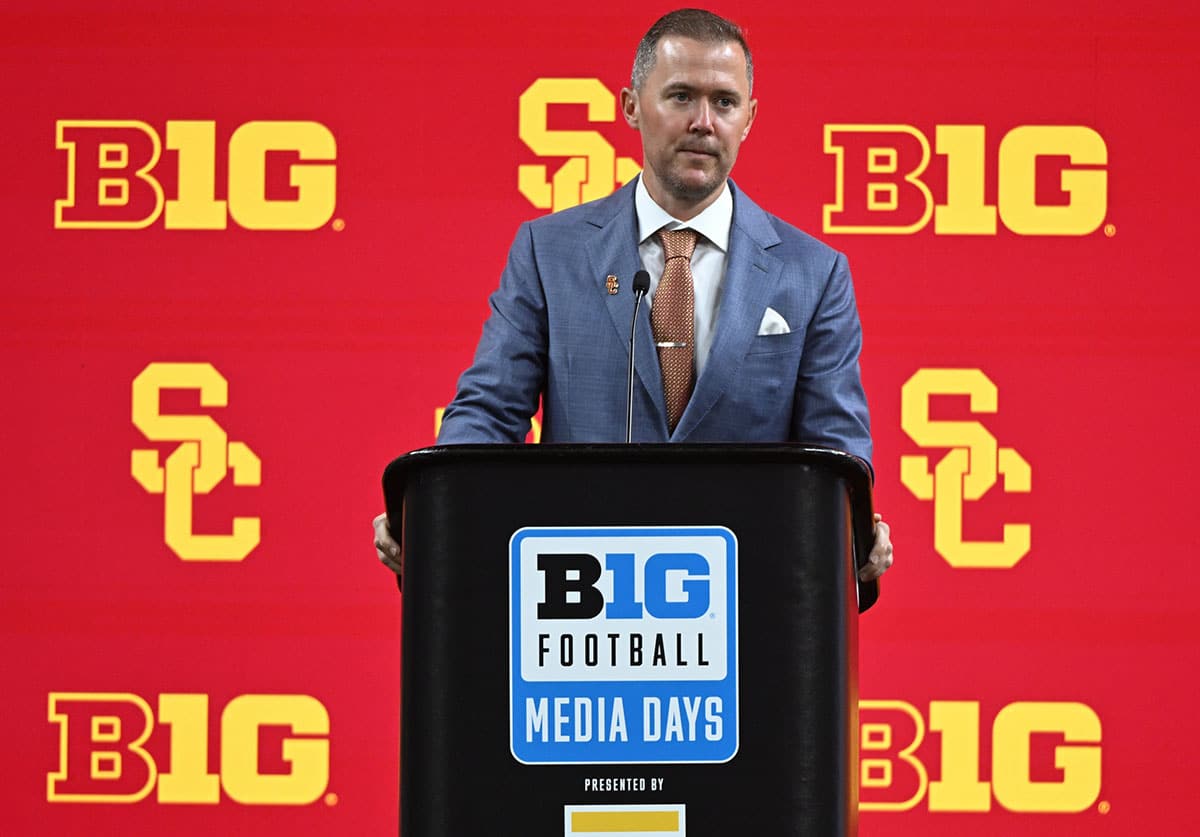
x=641 y=284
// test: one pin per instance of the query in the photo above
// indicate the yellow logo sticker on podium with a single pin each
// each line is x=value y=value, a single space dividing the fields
x=625 y=820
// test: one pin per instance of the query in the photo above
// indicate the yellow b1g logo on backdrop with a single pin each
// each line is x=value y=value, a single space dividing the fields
x=879 y=186
x=102 y=755
x=111 y=182
x=592 y=169
x=967 y=471
x=201 y=461
x=893 y=777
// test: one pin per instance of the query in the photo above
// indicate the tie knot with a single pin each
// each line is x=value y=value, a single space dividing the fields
x=677 y=243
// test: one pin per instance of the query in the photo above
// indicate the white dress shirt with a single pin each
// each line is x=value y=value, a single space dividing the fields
x=708 y=259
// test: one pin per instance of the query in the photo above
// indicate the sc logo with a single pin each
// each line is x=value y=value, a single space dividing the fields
x=572 y=591
x=592 y=168
x=202 y=460
x=967 y=472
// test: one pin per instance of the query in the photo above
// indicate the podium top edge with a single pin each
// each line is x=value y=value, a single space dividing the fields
x=847 y=465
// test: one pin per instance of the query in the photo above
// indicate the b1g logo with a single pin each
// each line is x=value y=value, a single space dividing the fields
x=879 y=186
x=113 y=179
x=592 y=168
x=1045 y=757
x=973 y=465
x=204 y=457
x=623 y=645
x=105 y=742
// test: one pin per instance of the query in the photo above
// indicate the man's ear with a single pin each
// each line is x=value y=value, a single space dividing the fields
x=750 y=123
x=629 y=106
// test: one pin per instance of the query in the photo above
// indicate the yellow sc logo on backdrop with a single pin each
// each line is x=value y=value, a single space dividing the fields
x=879 y=185
x=102 y=755
x=967 y=471
x=592 y=169
x=201 y=461
x=111 y=182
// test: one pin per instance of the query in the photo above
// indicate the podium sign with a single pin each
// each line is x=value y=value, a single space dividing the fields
x=624 y=645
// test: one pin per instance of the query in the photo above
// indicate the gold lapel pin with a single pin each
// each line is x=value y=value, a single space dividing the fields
x=612 y=284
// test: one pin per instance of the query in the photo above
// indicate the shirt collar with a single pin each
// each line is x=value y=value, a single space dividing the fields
x=713 y=223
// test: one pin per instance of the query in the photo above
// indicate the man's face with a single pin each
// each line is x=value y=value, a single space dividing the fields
x=694 y=110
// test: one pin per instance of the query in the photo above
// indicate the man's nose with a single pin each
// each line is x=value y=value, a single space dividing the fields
x=702 y=118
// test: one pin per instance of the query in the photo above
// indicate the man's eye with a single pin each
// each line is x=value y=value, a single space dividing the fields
x=725 y=103
x=679 y=97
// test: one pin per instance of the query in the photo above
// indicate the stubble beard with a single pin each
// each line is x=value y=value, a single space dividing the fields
x=690 y=191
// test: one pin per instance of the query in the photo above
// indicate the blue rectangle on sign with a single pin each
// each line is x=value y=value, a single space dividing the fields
x=623 y=644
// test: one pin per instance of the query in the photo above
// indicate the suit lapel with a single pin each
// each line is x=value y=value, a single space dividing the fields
x=751 y=274
x=612 y=250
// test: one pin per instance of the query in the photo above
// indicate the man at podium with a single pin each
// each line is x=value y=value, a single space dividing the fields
x=752 y=333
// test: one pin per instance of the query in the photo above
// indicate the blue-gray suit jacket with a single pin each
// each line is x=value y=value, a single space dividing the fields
x=556 y=333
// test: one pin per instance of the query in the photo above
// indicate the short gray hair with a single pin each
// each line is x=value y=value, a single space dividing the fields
x=697 y=24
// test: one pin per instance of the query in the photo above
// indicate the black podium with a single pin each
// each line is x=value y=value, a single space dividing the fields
x=630 y=639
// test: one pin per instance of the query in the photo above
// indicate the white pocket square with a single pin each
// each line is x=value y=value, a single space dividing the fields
x=773 y=323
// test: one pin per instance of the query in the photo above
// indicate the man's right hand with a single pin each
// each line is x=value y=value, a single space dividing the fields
x=389 y=552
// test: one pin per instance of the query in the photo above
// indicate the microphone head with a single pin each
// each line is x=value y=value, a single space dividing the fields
x=641 y=282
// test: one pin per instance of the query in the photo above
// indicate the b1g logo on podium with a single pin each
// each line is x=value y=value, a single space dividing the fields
x=623 y=645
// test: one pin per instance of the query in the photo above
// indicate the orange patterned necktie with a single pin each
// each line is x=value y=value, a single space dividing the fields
x=671 y=316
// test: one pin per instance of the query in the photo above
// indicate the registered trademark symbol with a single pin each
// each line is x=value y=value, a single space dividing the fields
x=1109 y=229
x=1104 y=807
x=331 y=799
x=338 y=225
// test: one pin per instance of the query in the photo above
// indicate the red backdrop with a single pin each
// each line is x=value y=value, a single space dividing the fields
x=282 y=297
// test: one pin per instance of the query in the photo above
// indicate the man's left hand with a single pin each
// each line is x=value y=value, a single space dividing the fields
x=881 y=552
